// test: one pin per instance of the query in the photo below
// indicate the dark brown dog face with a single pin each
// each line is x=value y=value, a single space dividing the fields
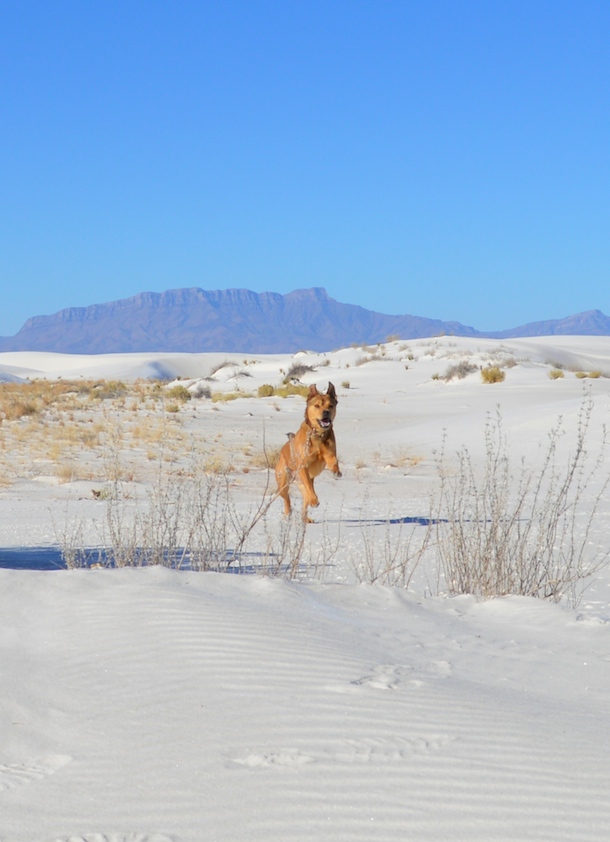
x=321 y=407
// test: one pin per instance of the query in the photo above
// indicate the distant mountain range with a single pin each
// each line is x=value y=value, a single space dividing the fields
x=238 y=320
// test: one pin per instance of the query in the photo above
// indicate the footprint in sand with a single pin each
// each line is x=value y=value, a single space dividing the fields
x=269 y=759
x=388 y=751
x=18 y=774
x=389 y=676
x=384 y=677
x=114 y=837
x=351 y=751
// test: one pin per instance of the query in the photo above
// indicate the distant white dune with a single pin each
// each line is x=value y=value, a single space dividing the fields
x=586 y=352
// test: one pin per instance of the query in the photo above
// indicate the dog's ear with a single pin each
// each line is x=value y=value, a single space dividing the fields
x=312 y=392
x=331 y=392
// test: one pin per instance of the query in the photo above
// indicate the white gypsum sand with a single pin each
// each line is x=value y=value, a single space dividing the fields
x=151 y=704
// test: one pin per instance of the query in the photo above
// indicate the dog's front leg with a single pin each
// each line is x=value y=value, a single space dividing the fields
x=332 y=463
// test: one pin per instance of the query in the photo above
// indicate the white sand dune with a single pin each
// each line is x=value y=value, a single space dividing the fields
x=154 y=705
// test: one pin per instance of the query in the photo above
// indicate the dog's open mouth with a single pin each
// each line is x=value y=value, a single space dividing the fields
x=324 y=422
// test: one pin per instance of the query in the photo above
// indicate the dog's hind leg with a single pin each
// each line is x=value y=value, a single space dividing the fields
x=284 y=477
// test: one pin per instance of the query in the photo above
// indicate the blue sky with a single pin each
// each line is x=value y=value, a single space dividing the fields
x=443 y=158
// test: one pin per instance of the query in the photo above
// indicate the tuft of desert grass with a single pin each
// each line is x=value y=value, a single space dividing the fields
x=492 y=374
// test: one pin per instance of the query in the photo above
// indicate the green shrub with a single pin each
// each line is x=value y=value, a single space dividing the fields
x=265 y=391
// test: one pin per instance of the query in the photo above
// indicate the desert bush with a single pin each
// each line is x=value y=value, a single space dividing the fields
x=492 y=374
x=265 y=458
x=392 y=550
x=178 y=393
x=290 y=389
x=224 y=397
x=296 y=371
x=265 y=391
x=525 y=533
x=363 y=360
x=108 y=389
x=224 y=364
x=15 y=408
x=459 y=370
x=191 y=519
x=200 y=390
x=556 y=374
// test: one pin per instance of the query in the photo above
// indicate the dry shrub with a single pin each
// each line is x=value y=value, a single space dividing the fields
x=283 y=391
x=459 y=370
x=16 y=408
x=192 y=520
x=296 y=371
x=392 y=550
x=525 y=533
x=556 y=374
x=492 y=374
x=178 y=393
x=225 y=397
x=265 y=458
x=363 y=360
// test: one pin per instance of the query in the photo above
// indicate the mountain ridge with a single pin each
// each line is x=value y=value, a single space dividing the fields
x=194 y=320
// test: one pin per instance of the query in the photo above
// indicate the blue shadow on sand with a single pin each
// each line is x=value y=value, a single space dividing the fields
x=415 y=520
x=51 y=558
x=31 y=558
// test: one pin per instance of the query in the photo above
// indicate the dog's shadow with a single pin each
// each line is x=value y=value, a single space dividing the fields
x=414 y=520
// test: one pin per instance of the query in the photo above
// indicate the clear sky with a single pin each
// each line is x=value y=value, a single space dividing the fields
x=442 y=158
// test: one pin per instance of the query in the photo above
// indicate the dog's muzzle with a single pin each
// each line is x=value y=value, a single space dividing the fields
x=325 y=422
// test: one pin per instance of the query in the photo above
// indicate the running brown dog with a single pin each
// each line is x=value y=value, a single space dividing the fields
x=309 y=451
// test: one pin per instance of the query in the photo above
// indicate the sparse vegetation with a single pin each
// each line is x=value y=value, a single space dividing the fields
x=527 y=534
x=492 y=374
x=296 y=371
x=179 y=393
x=556 y=374
x=224 y=397
x=459 y=370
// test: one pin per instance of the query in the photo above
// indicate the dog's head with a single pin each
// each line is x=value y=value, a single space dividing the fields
x=321 y=408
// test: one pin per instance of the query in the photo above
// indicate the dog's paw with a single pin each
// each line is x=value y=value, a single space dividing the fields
x=338 y=474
